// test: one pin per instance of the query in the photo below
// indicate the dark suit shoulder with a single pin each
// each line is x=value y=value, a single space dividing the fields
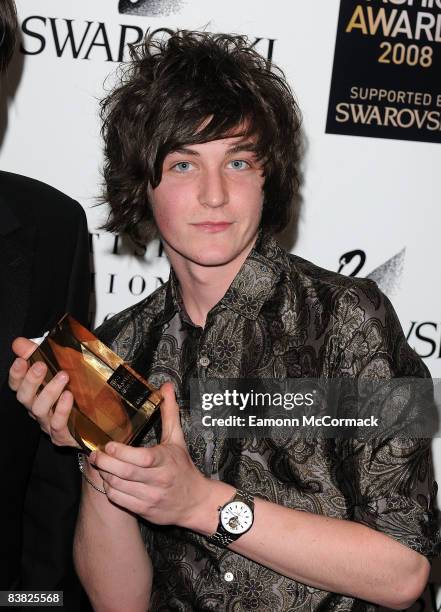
x=26 y=195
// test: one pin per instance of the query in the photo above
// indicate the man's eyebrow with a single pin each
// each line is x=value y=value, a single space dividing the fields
x=236 y=148
x=246 y=146
x=185 y=151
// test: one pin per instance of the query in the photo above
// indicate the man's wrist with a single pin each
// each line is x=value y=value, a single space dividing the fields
x=204 y=516
x=91 y=475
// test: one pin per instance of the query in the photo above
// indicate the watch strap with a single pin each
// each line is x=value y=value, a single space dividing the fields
x=245 y=497
x=221 y=537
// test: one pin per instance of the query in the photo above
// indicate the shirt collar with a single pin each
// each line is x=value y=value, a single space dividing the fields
x=171 y=301
x=254 y=282
x=250 y=288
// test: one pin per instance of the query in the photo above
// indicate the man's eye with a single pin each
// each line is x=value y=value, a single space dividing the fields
x=239 y=164
x=183 y=166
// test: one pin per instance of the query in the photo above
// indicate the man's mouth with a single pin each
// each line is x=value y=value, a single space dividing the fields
x=213 y=226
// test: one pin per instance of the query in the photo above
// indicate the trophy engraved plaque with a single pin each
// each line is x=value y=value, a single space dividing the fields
x=111 y=400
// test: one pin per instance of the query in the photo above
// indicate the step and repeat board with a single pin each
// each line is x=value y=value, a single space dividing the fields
x=364 y=74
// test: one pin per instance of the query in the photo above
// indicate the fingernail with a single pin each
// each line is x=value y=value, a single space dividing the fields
x=16 y=364
x=38 y=368
x=62 y=377
x=110 y=449
x=92 y=457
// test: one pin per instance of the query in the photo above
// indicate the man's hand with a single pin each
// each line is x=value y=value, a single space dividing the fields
x=51 y=407
x=160 y=483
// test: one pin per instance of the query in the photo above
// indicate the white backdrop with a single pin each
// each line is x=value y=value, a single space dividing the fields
x=377 y=195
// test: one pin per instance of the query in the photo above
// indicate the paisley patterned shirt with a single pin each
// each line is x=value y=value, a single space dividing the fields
x=281 y=317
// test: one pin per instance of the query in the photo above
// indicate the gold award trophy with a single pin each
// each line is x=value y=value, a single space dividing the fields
x=111 y=400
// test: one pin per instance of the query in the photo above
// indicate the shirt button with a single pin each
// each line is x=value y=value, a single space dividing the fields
x=204 y=362
x=228 y=576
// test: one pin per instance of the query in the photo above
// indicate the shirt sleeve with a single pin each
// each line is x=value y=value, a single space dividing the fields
x=388 y=483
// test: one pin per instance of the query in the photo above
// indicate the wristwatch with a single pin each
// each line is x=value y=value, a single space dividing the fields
x=235 y=518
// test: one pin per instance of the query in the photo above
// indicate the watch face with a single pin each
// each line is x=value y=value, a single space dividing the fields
x=236 y=517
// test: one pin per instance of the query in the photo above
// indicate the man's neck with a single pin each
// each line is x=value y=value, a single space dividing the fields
x=202 y=287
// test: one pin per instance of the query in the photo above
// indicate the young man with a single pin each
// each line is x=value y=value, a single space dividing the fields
x=202 y=141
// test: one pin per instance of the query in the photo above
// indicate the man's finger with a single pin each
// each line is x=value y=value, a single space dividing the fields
x=133 y=504
x=17 y=372
x=122 y=469
x=23 y=347
x=59 y=430
x=141 y=490
x=170 y=418
x=49 y=395
x=30 y=384
x=140 y=456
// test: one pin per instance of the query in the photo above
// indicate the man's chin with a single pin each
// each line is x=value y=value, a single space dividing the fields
x=213 y=260
x=208 y=255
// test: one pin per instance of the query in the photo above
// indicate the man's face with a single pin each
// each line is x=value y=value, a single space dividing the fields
x=208 y=205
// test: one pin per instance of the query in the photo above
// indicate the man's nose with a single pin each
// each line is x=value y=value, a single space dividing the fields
x=213 y=190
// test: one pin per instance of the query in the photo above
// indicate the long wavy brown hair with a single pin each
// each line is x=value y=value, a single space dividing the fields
x=166 y=94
